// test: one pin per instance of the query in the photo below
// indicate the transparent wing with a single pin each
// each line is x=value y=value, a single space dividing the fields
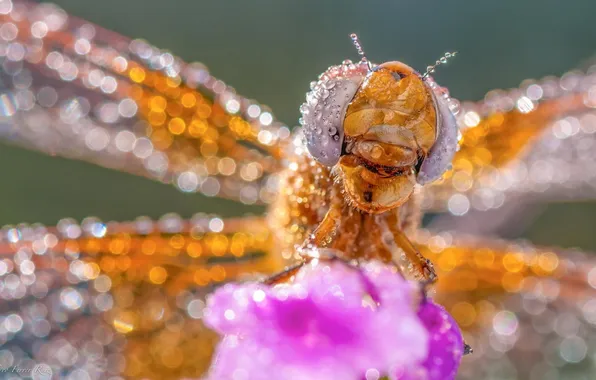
x=71 y=88
x=126 y=298
x=537 y=140
x=528 y=313
x=94 y=300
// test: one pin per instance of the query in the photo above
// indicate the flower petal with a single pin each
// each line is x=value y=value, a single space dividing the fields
x=231 y=308
x=445 y=344
x=334 y=321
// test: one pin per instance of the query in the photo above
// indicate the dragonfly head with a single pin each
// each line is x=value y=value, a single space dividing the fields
x=384 y=128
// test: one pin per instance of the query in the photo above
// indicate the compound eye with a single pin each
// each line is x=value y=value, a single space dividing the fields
x=324 y=112
x=441 y=154
x=322 y=119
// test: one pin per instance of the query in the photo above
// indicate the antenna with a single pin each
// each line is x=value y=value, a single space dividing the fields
x=358 y=47
x=431 y=69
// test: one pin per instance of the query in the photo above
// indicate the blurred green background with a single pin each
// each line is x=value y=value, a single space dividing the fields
x=271 y=50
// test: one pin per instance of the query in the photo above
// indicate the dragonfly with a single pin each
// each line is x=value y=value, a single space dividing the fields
x=95 y=299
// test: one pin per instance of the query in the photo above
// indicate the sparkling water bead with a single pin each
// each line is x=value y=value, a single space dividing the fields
x=445 y=348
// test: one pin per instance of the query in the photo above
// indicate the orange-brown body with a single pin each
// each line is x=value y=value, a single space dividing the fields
x=363 y=205
x=308 y=191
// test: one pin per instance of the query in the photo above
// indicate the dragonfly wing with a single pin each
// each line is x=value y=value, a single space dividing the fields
x=121 y=298
x=537 y=140
x=71 y=88
x=527 y=312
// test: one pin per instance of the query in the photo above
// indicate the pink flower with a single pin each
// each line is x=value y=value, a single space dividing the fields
x=445 y=345
x=332 y=322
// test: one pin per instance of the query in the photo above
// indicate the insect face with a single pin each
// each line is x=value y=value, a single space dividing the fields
x=382 y=128
x=390 y=124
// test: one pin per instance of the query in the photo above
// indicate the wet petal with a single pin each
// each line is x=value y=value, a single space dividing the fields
x=334 y=321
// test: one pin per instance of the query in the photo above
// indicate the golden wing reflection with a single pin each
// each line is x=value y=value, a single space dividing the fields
x=127 y=298
x=74 y=89
x=528 y=312
x=536 y=140
x=122 y=298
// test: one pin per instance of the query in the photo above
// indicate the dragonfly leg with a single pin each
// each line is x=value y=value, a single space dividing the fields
x=422 y=267
x=324 y=234
x=327 y=255
x=286 y=274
